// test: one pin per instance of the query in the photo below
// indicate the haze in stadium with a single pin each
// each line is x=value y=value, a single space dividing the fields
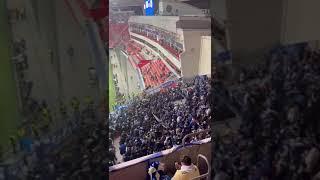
x=160 y=62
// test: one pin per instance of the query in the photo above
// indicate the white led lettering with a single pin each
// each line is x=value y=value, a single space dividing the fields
x=149 y=4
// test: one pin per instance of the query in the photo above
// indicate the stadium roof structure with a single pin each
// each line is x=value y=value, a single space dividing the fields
x=201 y=4
x=125 y=3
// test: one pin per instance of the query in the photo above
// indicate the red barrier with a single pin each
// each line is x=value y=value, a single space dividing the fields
x=143 y=63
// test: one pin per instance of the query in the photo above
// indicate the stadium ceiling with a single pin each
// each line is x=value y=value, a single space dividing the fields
x=125 y=3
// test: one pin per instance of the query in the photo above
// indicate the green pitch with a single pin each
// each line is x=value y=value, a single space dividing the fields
x=112 y=91
x=9 y=116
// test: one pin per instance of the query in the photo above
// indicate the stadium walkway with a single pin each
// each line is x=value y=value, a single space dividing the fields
x=131 y=85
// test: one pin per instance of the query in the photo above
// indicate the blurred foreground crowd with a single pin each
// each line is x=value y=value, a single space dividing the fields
x=279 y=135
x=74 y=150
x=83 y=156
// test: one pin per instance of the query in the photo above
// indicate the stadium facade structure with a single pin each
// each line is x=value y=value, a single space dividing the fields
x=176 y=39
x=183 y=8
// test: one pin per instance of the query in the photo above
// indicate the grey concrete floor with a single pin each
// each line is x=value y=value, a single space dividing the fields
x=131 y=85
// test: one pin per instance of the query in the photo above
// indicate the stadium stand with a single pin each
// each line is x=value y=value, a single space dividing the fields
x=154 y=123
x=155 y=73
x=133 y=48
x=165 y=39
x=158 y=122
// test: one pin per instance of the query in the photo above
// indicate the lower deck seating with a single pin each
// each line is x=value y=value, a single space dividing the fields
x=155 y=73
x=133 y=48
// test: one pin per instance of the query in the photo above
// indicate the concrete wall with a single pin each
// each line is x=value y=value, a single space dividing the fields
x=178 y=9
x=205 y=56
x=191 y=57
x=256 y=25
x=168 y=23
x=219 y=9
x=301 y=21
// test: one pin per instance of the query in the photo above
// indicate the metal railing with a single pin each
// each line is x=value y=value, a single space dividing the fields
x=207 y=174
x=192 y=135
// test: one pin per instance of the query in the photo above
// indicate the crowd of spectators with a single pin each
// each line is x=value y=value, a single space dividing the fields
x=82 y=156
x=76 y=150
x=278 y=103
x=40 y=142
x=159 y=121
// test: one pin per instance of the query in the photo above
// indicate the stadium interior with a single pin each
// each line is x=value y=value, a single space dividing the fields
x=161 y=65
x=159 y=90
